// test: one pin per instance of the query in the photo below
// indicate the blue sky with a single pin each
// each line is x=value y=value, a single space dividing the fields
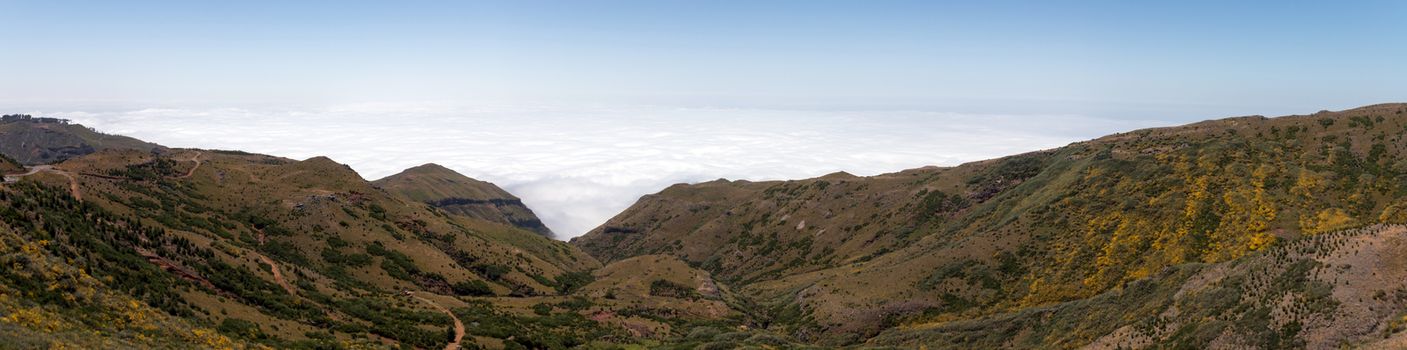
x=1182 y=59
x=580 y=107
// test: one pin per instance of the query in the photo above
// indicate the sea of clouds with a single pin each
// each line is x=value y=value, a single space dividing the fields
x=576 y=167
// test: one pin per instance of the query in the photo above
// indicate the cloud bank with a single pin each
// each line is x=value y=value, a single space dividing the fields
x=577 y=167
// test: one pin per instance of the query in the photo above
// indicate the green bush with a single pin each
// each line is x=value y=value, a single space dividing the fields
x=665 y=288
x=472 y=288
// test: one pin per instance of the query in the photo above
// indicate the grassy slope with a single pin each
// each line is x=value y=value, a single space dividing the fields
x=9 y=165
x=1025 y=231
x=648 y=298
x=344 y=247
x=1342 y=288
x=1091 y=235
x=47 y=302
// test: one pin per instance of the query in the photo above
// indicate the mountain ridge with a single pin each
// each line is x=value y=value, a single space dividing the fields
x=453 y=192
x=33 y=141
x=960 y=242
x=1244 y=232
x=270 y=251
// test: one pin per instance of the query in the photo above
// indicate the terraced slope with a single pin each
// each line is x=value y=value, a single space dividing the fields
x=458 y=194
x=839 y=259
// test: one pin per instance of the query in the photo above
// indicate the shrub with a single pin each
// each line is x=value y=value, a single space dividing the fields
x=472 y=288
x=665 y=288
x=570 y=282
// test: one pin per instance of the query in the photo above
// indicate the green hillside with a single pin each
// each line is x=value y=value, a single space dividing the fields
x=1325 y=291
x=1246 y=232
x=840 y=258
x=268 y=250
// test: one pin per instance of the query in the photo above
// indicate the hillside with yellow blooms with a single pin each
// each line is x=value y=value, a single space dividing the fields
x=842 y=259
x=1248 y=232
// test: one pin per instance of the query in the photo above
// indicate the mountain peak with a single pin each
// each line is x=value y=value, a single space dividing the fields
x=325 y=164
x=321 y=160
x=839 y=175
x=455 y=193
x=429 y=168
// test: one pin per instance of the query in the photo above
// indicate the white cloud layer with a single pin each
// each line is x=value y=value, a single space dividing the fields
x=577 y=167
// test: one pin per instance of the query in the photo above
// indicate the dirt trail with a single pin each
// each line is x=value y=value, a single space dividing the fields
x=72 y=184
x=72 y=181
x=32 y=171
x=278 y=275
x=180 y=271
x=458 y=326
x=195 y=159
x=273 y=267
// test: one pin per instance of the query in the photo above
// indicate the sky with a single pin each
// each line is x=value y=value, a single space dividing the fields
x=580 y=107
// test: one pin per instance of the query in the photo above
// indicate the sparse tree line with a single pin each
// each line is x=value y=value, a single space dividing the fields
x=15 y=118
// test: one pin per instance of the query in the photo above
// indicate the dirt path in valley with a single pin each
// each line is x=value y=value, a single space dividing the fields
x=458 y=326
x=278 y=275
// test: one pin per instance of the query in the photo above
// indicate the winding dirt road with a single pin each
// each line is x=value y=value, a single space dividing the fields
x=195 y=159
x=458 y=326
x=72 y=181
x=32 y=171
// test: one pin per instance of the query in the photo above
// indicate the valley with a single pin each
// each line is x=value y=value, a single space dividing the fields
x=1247 y=232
